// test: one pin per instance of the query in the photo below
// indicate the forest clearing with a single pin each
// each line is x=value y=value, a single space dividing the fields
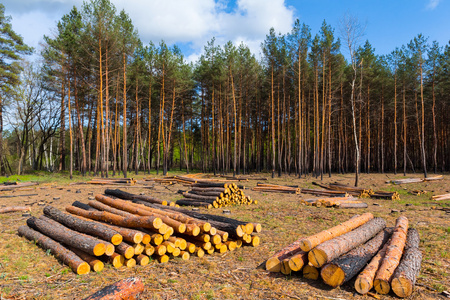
x=28 y=272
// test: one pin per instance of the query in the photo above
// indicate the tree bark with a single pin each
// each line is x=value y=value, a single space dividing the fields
x=332 y=249
x=314 y=240
x=66 y=256
x=129 y=288
x=83 y=226
x=345 y=267
x=392 y=257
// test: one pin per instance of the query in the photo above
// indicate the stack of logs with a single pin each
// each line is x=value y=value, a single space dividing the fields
x=359 y=192
x=337 y=202
x=122 y=232
x=385 y=258
x=113 y=181
x=214 y=194
x=266 y=187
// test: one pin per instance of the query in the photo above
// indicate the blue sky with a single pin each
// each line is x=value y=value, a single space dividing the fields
x=191 y=23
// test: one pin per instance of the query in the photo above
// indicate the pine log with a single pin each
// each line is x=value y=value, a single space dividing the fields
x=96 y=264
x=9 y=209
x=298 y=260
x=129 y=263
x=83 y=206
x=133 y=209
x=125 y=249
x=392 y=257
x=193 y=203
x=273 y=263
x=310 y=272
x=412 y=239
x=130 y=235
x=128 y=288
x=310 y=242
x=84 y=226
x=332 y=249
x=343 y=268
x=364 y=281
x=65 y=255
x=69 y=237
x=405 y=275
x=109 y=248
x=115 y=259
x=103 y=207
x=128 y=196
x=131 y=221
x=142 y=260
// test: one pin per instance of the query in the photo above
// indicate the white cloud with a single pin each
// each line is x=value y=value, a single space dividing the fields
x=192 y=22
x=432 y=4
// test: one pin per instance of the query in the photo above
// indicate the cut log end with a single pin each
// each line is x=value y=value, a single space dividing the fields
x=273 y=264
x=216 y=239
x=138 y=237
x=99 y=249
x=160 y=250
x=381 y=286
x=163 y=259
x=83 y=268
x=149 y=250
x=146 y=239
x=130 y=263
x=257 y=228
x=310 y=272
x=249 y=228
x=185 y=255
x=97 y=265
x=256 y=241
x=142 y=260
x=285 y=269
x=157 y=223
x=305 y=245
x=116 y=239
x=118 y=261
x=157 y=239
x=297 y=261
x=317 y=257
x=109 y=249
x=206 y=227
x=129 y=252
x=362 y=285
x=332 y=275
x=402 y=287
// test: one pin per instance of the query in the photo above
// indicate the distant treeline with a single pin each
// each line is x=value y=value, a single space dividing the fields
x=103 y=101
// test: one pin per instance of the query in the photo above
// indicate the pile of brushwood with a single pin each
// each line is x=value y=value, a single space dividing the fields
x=381 y=257
x=214 y=194
x=129 y=232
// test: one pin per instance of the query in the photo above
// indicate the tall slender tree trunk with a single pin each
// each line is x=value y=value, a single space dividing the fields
x=273 y=125
x=395 y=122
x=424 y=159
x=62 y=134
x=404 y=129
x=124 y=125
x=70 y=133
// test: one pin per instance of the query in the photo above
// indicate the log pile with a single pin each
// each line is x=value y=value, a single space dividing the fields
x=415 y=180
x=129 y=232
x=325 y=193
x=353 y=191
x=113 y=181
x=275 y=188
x=337 y=202
x=384 y=257
x=216 y=195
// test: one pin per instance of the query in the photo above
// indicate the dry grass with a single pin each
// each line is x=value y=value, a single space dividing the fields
x=28 y=272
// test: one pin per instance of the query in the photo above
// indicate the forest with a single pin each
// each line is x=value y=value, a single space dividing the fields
x=101 y=101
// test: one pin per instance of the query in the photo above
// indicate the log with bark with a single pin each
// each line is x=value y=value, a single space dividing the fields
x=441 y=197
x=325 y=235
x=332 y=249
x=405 y=275
x=128 y=288
x=65 y=255
x=129 y=221
x=128 y=196
x=346 y=266
x=17 y=185
x=193 y=203
x=273 y=263
x=9 y=209
x=94 y=262
x=392 y=257
x=84 y=226
x=69 y=237
x=406 y=180
x=386 y=195
x=141 y=210
x=83 y=206
x=325 y=193
x=264 y=187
